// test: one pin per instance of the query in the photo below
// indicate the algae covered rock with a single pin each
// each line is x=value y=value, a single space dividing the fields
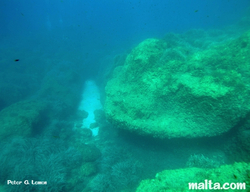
x=90 y=153
x=179 y=179
x=88 y=169
x=163 y=92
x=22 y=118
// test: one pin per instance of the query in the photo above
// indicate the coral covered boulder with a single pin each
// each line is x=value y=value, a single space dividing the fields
x=179 y=179
x=23 y=118
x=164 y=92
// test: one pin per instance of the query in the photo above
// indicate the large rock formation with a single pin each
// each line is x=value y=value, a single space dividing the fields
x=23 y=118
x=165 y=92
x=179 y=179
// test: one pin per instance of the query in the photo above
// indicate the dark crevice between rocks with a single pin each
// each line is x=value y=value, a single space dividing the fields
x=210 y=143
x=39 y=126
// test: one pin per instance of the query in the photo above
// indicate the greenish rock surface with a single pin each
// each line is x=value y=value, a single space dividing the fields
x=164 y=92
x=88 y=169
x=22 y=118
x=179 y=179
x=90 y=153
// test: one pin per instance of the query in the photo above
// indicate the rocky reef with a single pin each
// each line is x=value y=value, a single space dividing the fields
x=165 y=90
x=23 y=118
x=179 y=179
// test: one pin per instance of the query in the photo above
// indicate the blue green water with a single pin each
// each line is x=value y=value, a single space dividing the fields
x=49 y=49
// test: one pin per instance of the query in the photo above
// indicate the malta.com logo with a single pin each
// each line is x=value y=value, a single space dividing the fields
x=209 y=185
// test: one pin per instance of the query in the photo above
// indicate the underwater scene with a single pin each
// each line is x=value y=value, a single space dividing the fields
x=124 y=95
